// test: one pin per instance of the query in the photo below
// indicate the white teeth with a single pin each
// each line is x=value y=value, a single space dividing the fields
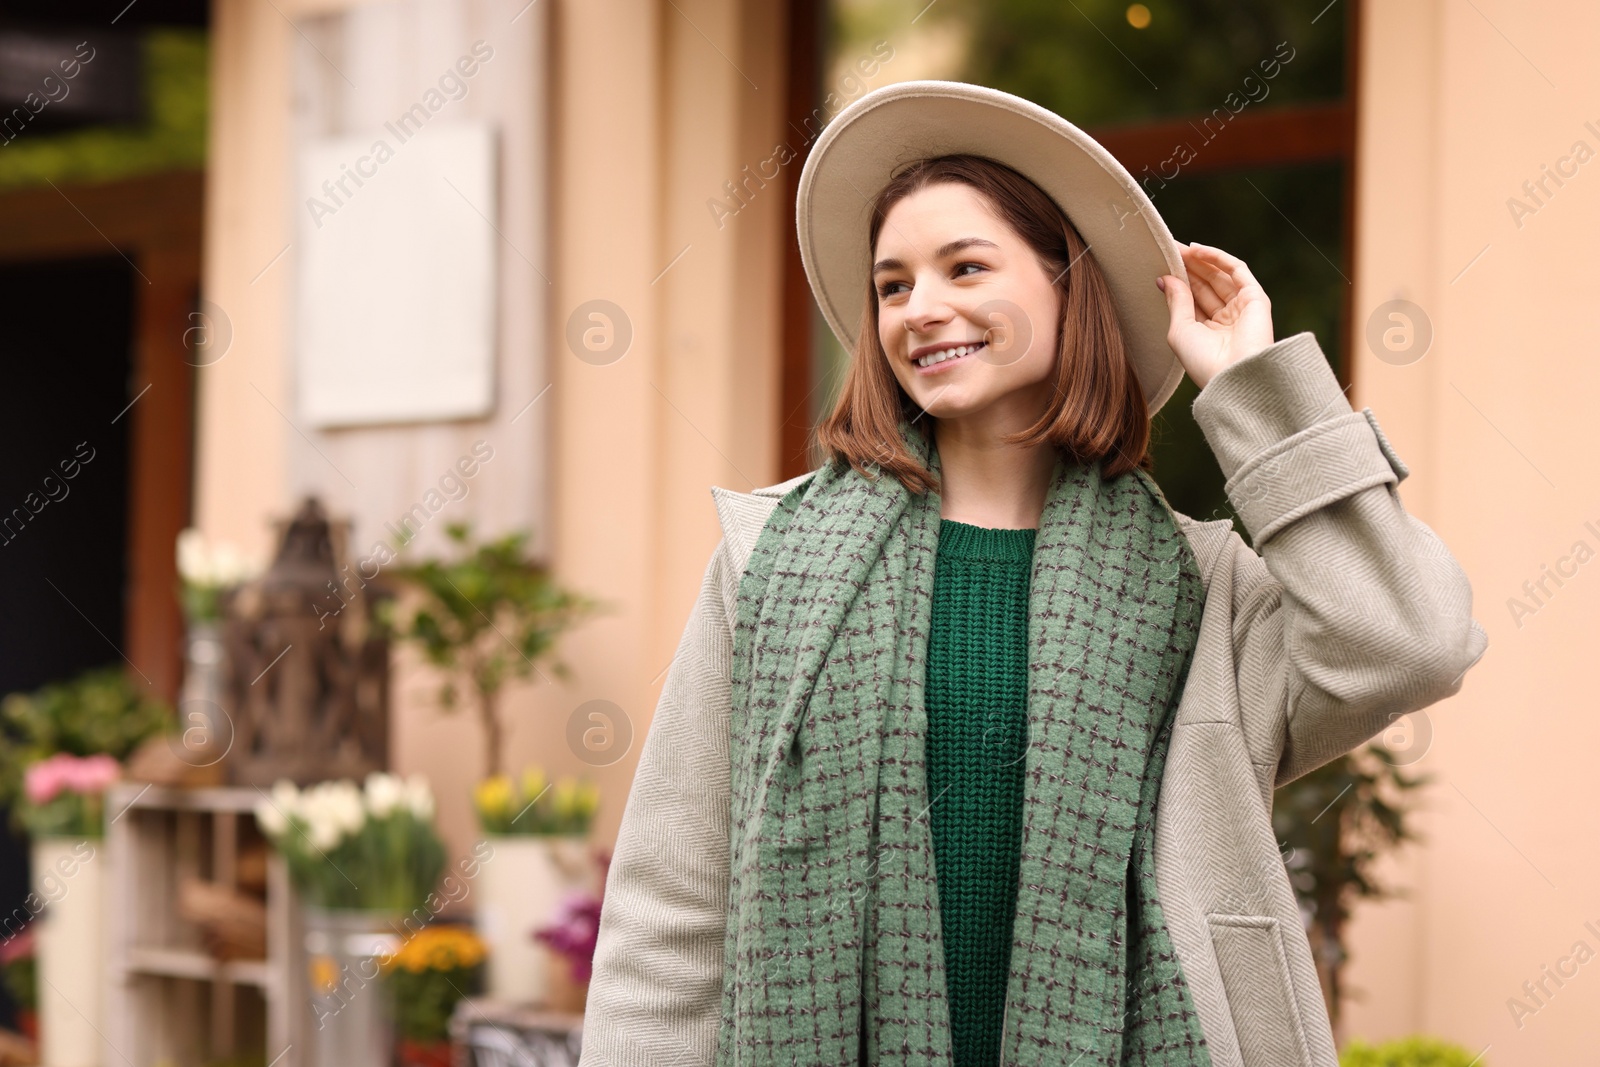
x=948 y=353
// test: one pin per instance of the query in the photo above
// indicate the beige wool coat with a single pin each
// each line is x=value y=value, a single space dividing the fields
x=1348 y=614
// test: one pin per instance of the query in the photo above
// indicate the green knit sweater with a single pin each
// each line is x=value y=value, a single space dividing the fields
x=976 y=696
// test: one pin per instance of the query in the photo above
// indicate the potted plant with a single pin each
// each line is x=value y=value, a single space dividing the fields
x=64 y=796
x=574 y=934
x=361 y=857
x=430 y=972
x=20 y=973
x=1415 y=1051
x=538 y=831
x=99 y=712
x=485 y=618
x=206 y=570
x=60 y=748
x=1333 y=824
x=63 y=809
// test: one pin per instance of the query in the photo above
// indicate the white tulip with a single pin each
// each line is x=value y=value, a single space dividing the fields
x=228 y=566
x=286 y=796
x=311 y=809
x=192 y=562
x=385 y=792
x=220 y=564
x=323 y=832
x=320 y=806
x=345 y=806
x=270 y=819
x=419 y=797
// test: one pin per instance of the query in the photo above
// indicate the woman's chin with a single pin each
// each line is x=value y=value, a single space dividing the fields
x=949 y=401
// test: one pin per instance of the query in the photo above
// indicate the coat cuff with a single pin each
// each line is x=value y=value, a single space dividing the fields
x=1285 y=437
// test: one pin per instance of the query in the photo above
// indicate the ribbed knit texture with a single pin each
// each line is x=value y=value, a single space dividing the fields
x=977 y=700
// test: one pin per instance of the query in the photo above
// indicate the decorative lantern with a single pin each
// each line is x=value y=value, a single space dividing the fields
x=307 y=679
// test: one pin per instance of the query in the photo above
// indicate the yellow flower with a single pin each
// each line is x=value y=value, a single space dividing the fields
x=588 y=798
x=494 y=796
x=575 y=800
x=561 y=798
x=533 y=783
x=439 y=948
x=324 y=974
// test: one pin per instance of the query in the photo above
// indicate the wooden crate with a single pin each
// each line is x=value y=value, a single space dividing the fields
x=167 y=1000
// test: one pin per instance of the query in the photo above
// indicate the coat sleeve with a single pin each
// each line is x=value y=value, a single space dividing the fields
x=1353 y=613
x=655 y=995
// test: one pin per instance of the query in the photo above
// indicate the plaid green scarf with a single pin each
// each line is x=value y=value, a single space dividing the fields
x=833 y=950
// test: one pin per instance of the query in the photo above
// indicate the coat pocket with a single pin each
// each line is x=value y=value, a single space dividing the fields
x=1255 y=976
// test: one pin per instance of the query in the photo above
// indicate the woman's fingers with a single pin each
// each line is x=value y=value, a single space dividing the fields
x=1220 y=280
x=1226 y=264
x=1180 y=303
x=1206 y=296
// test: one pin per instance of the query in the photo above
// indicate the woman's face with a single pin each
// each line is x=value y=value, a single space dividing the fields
x=948 y=272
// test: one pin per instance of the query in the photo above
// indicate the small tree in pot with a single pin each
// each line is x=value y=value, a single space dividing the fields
x=489 y=616
x=1332 y=824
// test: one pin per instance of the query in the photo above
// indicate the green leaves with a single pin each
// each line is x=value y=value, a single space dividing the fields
x=100 y=711
x=1339 y=819
x=490 y=615
x=493 y=609
x=1415 y=1051
x=1332 y=825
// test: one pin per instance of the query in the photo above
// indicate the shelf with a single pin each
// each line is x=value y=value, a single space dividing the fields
x=167 y=999
x=126 y=795
x=187 y=963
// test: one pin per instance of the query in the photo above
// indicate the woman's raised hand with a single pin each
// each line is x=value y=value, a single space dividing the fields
x=1220 y=313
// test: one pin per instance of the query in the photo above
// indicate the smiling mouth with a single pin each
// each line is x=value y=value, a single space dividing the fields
x=933 y=359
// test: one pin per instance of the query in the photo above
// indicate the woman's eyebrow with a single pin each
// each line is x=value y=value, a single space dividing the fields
x=948 y=249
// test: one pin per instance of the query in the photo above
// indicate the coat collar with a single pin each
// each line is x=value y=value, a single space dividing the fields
x=742 y=514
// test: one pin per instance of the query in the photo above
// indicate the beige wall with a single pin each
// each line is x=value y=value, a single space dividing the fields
x=652 y=110
x=1462 y=103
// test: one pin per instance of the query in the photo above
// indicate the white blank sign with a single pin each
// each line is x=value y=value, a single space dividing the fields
x=397 y=276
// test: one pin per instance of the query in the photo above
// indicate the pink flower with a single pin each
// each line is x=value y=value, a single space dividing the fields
x=42 y=781
x=45 y=780
x=93 y=774
x=19 y=946
x=574 y=932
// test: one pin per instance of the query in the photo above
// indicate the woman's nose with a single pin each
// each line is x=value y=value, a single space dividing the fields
x=926 y=308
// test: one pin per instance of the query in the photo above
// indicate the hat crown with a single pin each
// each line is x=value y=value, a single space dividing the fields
x=868 y=142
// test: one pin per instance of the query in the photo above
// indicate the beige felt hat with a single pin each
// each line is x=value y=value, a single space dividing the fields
x=868 y=141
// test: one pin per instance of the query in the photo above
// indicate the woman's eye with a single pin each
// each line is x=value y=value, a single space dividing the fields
x=887 y=289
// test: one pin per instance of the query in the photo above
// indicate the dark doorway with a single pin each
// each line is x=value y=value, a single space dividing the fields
x=67 y=340
x=66 y=348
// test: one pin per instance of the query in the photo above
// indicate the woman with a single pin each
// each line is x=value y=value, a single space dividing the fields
x=967 y=754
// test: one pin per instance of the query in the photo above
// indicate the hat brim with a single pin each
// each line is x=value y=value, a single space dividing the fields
x=868 y=141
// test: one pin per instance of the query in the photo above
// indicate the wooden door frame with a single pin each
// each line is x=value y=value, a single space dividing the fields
x=797 y=371
x=154 y=222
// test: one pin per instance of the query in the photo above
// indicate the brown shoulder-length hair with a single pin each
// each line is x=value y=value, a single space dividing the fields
x=1098 y=414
